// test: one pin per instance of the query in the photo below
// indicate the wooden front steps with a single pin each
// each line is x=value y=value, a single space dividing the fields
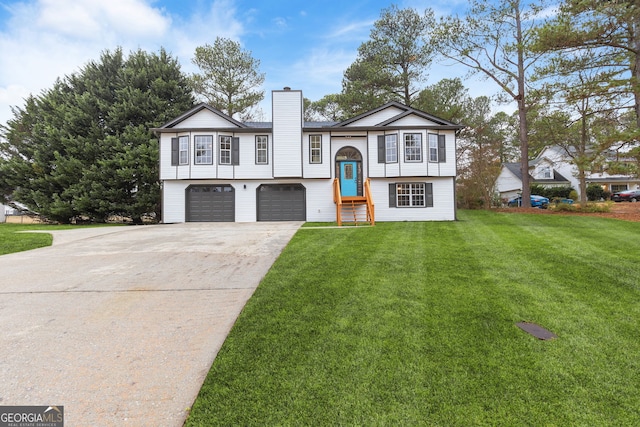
x=354 y=210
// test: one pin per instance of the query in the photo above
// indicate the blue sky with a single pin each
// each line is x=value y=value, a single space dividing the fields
x=306 y=45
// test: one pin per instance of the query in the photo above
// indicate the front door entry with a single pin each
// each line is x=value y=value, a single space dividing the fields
x=348 y=178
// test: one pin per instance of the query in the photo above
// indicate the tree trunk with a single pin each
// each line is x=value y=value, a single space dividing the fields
x=522 y=114
x=582 y=183
x=635 y=68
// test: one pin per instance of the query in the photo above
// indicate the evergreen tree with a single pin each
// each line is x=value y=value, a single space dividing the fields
x=392 y=63
x=85 y=148
x=229 y=77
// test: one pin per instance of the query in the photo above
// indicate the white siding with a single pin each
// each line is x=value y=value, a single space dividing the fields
x=443 y=201
x=173 y=201
x=449 y=167
x=248 y=169
x=413 y=120
x=412 y=168
x=205 y=119
x=166 y=170
x=317 y=170
x=287 y=133
x=319 y=200
x=375 y=169
x=558 y=158
x=320 y=206
x=507 y=184
x=377 y=118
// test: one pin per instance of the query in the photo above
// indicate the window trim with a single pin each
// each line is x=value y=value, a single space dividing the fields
x=427 y=195
x=393 y=138
x=318 y=149
x=546 y=172
x=419 y=147
x=265 y=149
x=196 y=157
x=224 y=153
x=433 y=147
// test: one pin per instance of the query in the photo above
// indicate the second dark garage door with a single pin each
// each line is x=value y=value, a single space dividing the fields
x=281 y=202
x=210 y=203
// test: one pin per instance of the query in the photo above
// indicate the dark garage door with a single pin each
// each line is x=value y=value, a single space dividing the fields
x=210 y=203
x=281 y=202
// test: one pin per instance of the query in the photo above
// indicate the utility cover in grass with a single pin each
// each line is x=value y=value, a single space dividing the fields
x=536 y=330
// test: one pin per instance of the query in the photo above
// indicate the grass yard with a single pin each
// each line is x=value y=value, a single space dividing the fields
x=414 y=324
x=11 y=240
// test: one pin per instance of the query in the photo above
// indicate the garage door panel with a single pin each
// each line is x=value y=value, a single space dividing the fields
x=210 y=203
x=281 y=202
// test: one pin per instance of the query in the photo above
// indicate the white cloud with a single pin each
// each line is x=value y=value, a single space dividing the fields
x=48 y=39
x=93 y=19
x=359 y=30
x=280 y=22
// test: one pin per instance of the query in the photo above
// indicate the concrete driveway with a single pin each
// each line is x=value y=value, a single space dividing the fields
x=120 y=325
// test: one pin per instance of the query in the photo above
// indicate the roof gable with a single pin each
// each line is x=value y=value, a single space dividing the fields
x=203 y=116
x=396 y=114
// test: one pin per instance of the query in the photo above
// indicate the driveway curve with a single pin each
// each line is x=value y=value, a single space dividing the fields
x=120 y=325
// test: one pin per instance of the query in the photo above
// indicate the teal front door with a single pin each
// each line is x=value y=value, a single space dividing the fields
x=348 y=179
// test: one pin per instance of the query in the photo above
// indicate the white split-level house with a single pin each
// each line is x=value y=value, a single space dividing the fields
x=393 y=163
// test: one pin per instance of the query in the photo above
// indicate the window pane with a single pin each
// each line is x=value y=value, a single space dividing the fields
x=225 y=150
x=262 y=157
x=391 y=145
x=410 y=195
x=184 y=150
x=348 y=171
x=413 y=147
x=433 y=147
x=315 y=148
x=204 y=149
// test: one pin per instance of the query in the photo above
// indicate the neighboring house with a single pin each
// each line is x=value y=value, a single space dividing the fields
x=3 y=213
x=541 y=172
x=553 y=167
x=393 y=163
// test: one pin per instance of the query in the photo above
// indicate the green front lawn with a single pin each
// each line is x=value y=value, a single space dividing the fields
x=12 y=240
x=414 y=324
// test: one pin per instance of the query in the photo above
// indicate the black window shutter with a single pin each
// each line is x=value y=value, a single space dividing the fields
x=174 y=151
x=392 y=195
x=382 y=150
x=428 y=192
x=442 y=149
x=235 y=151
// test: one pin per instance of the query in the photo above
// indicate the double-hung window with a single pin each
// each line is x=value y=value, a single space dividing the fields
x=315 y=149
x=388 y=148
x=203 y=149
x=433 y=147
x=411 y=195
x=183 y=150
x=391 y=148
x=225 y=150
x=412 y=147
x=180 y=151
x=262 y=150
x=437 y=148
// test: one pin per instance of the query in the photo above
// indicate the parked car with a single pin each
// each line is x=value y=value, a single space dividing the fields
x=536 y=202
x=626 y=196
